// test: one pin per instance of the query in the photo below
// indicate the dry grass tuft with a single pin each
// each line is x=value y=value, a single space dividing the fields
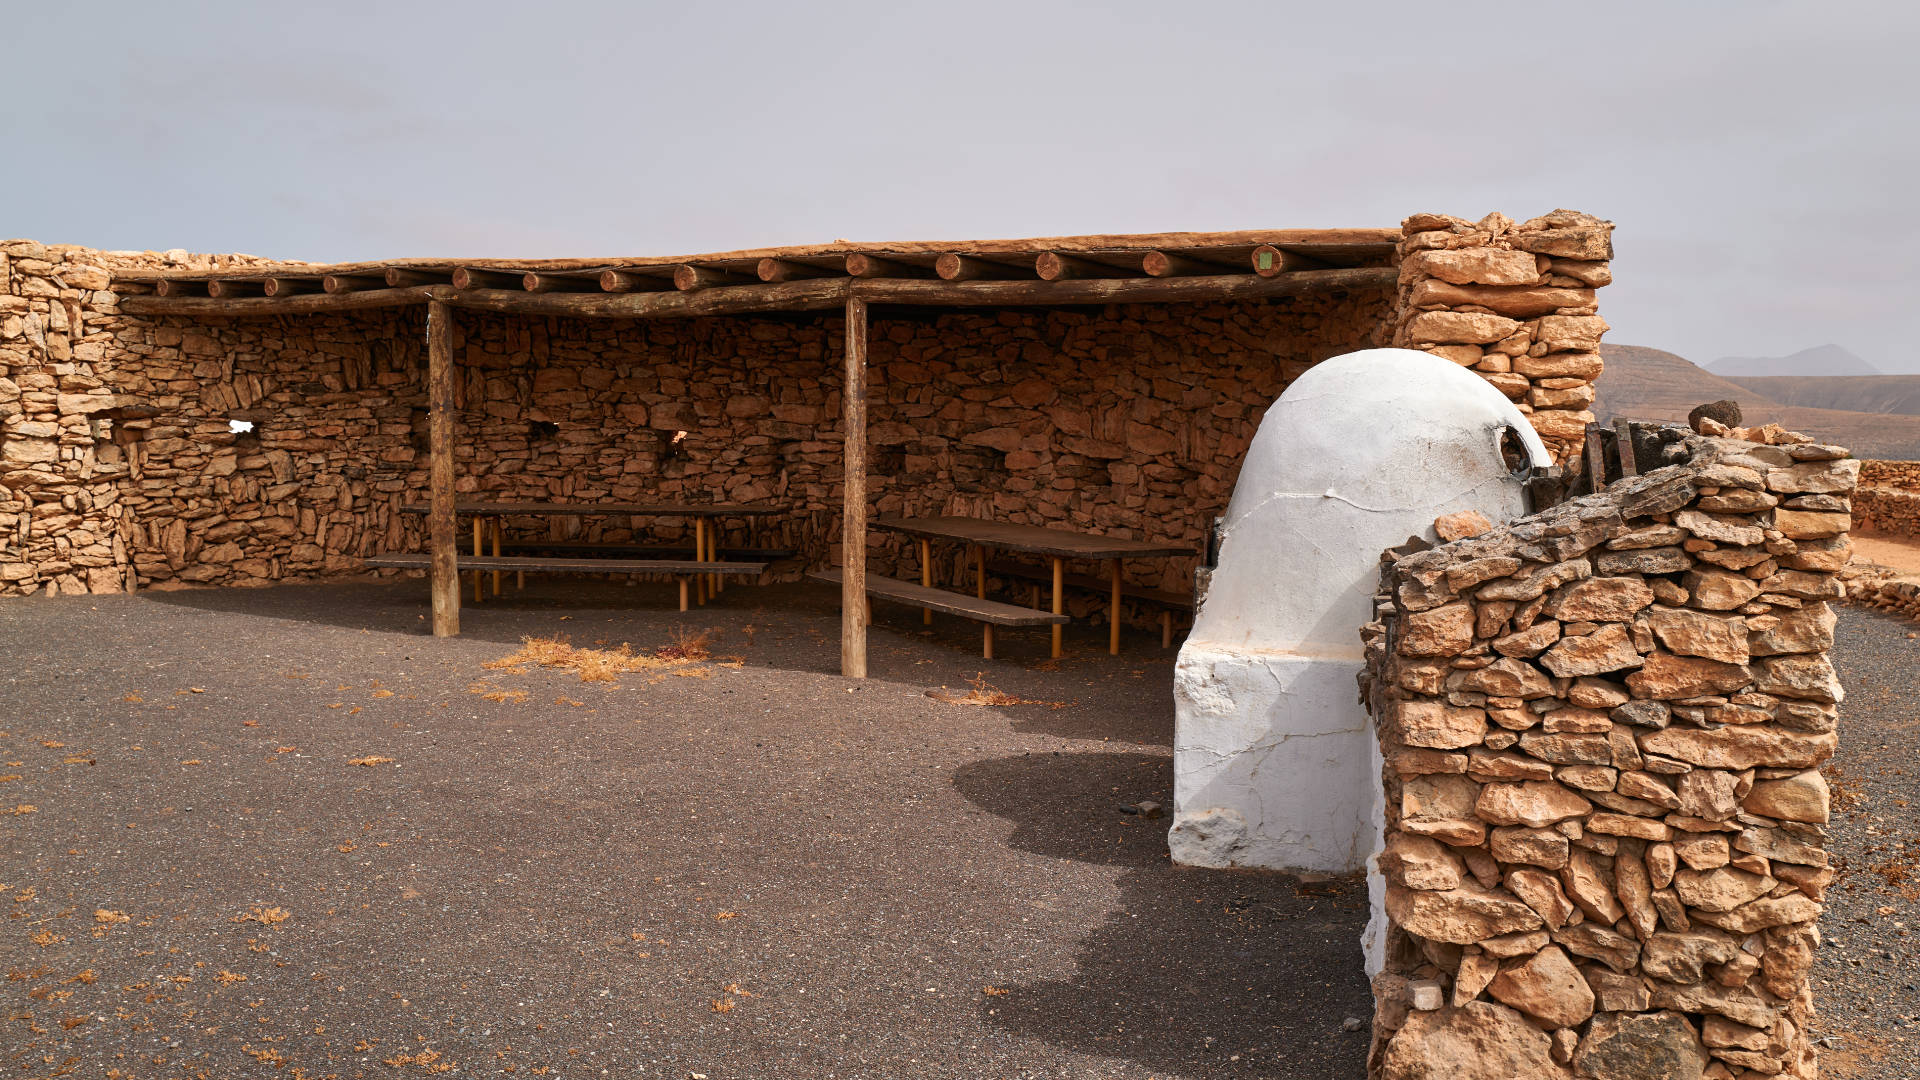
x=984 y=693
x=606 y=665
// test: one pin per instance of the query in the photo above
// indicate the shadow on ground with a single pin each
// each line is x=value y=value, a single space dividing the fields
x=1215 y=973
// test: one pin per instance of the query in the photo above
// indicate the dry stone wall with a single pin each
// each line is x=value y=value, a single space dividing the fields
x=1602 y=726
x=1888 y=498
x=1515 y=303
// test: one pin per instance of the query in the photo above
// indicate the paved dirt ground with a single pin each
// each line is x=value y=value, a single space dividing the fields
x=1900 y=552
x=753 y=871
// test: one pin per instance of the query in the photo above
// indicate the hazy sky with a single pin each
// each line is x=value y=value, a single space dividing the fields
x=1759 y=158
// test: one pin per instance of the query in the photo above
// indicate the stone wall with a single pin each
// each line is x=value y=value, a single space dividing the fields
x=1888 y=498
x=118 y=452
x=1602 y=728
x=1514 y=303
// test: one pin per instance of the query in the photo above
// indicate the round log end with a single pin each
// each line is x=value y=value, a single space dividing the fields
x=394 y=277
x=859 y=265
x=462 y=279
x=610 y=280
x=1267 y=260
x=1049 y=266
x=530 y=282
x=686 y=277
x=768 y=269
x=1156 y=264
x=947 y=266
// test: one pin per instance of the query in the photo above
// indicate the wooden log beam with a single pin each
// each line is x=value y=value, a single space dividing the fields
x=178 y=287
x=1054 y=266
x=1169 y=264
x=228 y=288
x=777 y=270
x=442 y=537
x=622 y=281
x=286 y=286
x=400 y=277
x=954 y=266
x=1117 y=290
x=819 y=295
x=543 y=283
x=274 y=305
x=866 y=266
x=687 y=277
x=853 y=535
x=473 y=277
x=345 y=283
x=1269 y=261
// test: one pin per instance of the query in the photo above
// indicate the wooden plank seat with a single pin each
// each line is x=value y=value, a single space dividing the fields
x=1037 y=576
x=683 y=569
x=584 y=546
x=990 y=612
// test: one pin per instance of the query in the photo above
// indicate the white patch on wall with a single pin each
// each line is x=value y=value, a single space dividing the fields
x=1275 y=763
x=239 y=426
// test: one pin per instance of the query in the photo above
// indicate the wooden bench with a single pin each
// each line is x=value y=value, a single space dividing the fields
x=1167 y=602
x=990 y=613
x=682 y=569
x=589 y=547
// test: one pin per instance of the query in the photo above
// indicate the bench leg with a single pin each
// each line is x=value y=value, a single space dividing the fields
x=1059 y=604
x=926 y=577
x=1113 y=613
x=1033 y=595
x=477 y=552
x=519 y=580
x=700 y=555
x=683 y=594
x=1166 y=629
x=868 y=605
x=986 y=640
x=497 y=575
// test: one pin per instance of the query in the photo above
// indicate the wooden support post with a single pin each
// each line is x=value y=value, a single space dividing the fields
x=441 y=535
x=1059 y=602
x=926 y=576
x=683 y=592
x=956 y=267
x=1166 y=628
x=853 y=520
x=478 y=551
x=1113 y=612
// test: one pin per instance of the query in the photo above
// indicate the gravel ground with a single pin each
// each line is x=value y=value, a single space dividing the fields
x=761 y=871
x=1867 y=982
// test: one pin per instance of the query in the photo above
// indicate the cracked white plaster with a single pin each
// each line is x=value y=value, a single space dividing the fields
x=1275 y=764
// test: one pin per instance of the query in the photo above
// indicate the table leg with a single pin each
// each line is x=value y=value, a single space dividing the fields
x=980 y=591
x=477 y=552
x=926 y=577
x=497 y=575
x=1059 y=605
x=700 y=555
x=1113 y=613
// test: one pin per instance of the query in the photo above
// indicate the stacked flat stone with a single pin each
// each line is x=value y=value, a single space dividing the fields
x=1514 y=303
x=1602 y=729
x=118 y=451
x=1888 y=498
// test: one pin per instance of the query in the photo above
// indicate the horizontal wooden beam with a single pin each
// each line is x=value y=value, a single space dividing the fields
x=274 y=305
x=231 y=288
x=777 y=270
x=399 y=277
x=473 y=277
x=286 y=286
x=1055 y=266
x=620 y=281
x=862 y=265
x=954 y=266
x=688 y=277
x=1270 y=261
x=345 y=283
x=179 y=288
x=1117 y=290
x=813 y=295
x=541 y=283
x=1170 y=264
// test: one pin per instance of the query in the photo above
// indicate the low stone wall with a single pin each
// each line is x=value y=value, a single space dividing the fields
x=1515 y=303
x=1602 y=728
x=1888 y=498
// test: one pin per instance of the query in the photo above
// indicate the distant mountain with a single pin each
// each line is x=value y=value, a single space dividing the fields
x=1857 y=393
x=1819 y=360
x=1651 y=384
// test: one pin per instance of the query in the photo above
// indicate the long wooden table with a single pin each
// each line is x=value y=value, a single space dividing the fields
x=704 y=535
x=1059 y=545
